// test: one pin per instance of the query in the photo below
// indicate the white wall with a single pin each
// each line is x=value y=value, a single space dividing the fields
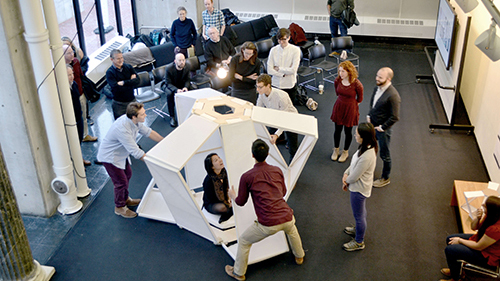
x=164 y=12
x=480 y=91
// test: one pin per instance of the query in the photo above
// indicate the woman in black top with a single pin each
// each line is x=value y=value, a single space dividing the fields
x=244 y=70
x=215 y=186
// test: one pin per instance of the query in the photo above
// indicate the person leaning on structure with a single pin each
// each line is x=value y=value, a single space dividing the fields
x=384 y=112
x=266 y=184
x=122 y=79
x=273 y=98
x=283 y=63
x=176 y=81
x=115 y=149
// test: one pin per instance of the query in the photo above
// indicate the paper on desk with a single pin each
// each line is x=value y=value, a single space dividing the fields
x=493 y=185
x=470 y=194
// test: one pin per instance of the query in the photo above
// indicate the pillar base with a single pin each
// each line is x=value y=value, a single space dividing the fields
x=43 y=273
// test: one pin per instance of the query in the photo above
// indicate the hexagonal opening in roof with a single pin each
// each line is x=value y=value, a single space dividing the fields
x=223 y=109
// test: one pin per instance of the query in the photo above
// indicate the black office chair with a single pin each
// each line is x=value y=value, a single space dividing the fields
x=159 y=74
x=263 y=48
x=305 y=72
x=199 y=80
x=318 y=52
x=146 y=79
x=345 y=43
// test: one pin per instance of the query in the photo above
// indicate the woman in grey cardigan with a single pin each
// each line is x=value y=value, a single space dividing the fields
x=358 y=179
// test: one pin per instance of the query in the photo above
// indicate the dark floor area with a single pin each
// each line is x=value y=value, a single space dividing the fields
x=408 y=220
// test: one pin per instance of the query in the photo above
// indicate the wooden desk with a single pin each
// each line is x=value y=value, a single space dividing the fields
x=458 y=199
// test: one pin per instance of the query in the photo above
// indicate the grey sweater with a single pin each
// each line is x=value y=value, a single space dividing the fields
x=360 y=172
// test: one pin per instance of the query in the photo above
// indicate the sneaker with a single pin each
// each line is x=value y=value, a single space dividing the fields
x=133 y=202
x=353 y=246
x=230 y=271
x=350 y=230
x=125 y=212
x=335 y=154
x=173 y=123
x=89 y=138
x=343 y=156
x=332 y=54
x=381 y=182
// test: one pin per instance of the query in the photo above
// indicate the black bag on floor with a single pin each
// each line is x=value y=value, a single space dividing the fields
x=301 y=97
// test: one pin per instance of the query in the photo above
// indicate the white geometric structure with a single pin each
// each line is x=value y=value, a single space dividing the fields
x=176 y=164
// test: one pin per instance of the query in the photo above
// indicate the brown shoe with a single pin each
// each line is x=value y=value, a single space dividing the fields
x=125 y=212
x=446 y=272
x=133 y=202
x=89 y=138
x=299 y=261
x=230 y=271
x=86 y=162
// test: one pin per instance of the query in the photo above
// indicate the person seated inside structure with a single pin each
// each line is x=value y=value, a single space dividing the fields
x=215 y=187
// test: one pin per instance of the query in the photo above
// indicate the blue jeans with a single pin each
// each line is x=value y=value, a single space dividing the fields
x=335 y=25
x=384 y=140
x=358 y=205
x=461 y=252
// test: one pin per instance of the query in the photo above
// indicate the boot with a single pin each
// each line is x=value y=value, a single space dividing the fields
x=344 y=156
x=335 y=154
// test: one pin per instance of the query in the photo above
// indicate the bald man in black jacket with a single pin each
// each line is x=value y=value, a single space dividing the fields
x=384 y=112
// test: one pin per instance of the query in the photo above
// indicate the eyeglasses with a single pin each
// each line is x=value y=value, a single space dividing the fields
x=283 y=39
x=259 y=87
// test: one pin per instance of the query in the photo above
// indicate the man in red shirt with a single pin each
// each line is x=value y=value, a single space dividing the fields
x=266 y=184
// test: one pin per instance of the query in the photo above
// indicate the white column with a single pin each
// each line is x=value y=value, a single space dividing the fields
x=37 y=37
x=49 y=10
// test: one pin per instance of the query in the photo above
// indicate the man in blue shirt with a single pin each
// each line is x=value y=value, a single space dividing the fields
x=183 y=32
x=114 y=153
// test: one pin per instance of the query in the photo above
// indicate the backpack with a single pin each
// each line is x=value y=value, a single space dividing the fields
x=349 y=17
x=301 y=97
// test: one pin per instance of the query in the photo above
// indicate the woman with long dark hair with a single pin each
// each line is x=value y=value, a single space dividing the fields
x=345 y=113
x=244 y=70
x=358 y=179
x=482 y=248
x=215 y=187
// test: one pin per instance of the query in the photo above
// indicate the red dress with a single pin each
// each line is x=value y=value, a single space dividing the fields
x=346 y=110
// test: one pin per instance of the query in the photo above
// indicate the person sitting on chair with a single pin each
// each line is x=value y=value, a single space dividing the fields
x=481 y=249
x=176 y=81
x=215 y=187
x=218 y=51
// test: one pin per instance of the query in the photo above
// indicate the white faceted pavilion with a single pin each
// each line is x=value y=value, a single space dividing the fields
x=176 y=164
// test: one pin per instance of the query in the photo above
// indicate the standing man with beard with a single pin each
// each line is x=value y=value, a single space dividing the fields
x=384 y=112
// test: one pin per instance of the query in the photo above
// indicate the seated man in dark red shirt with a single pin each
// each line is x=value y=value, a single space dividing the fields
x=266 y=184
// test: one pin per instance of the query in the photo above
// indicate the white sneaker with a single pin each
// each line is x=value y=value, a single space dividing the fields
x=343 y=55
x=381 y=182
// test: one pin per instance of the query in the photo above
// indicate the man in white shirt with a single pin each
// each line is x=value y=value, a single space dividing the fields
x=283 y=62
x=114 y=153
x=273 y=98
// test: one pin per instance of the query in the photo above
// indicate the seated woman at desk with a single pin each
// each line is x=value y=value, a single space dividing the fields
x=482 y=248
x=215 y=186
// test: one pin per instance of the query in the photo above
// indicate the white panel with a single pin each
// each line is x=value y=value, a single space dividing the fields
x=184 y=101
x=275 y=245
x=299 y=162
x=275 y=158
x=181 y=202
x=177 y=148
x=297 y=123
x=153 y=206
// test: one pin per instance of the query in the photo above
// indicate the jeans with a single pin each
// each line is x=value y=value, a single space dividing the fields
x=120 y=179
x=384 y=140
x=358 y=206
x=460 y=252
x=335 y=25
x=257 y=232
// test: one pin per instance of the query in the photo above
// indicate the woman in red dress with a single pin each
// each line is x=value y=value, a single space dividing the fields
x=345 y=112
